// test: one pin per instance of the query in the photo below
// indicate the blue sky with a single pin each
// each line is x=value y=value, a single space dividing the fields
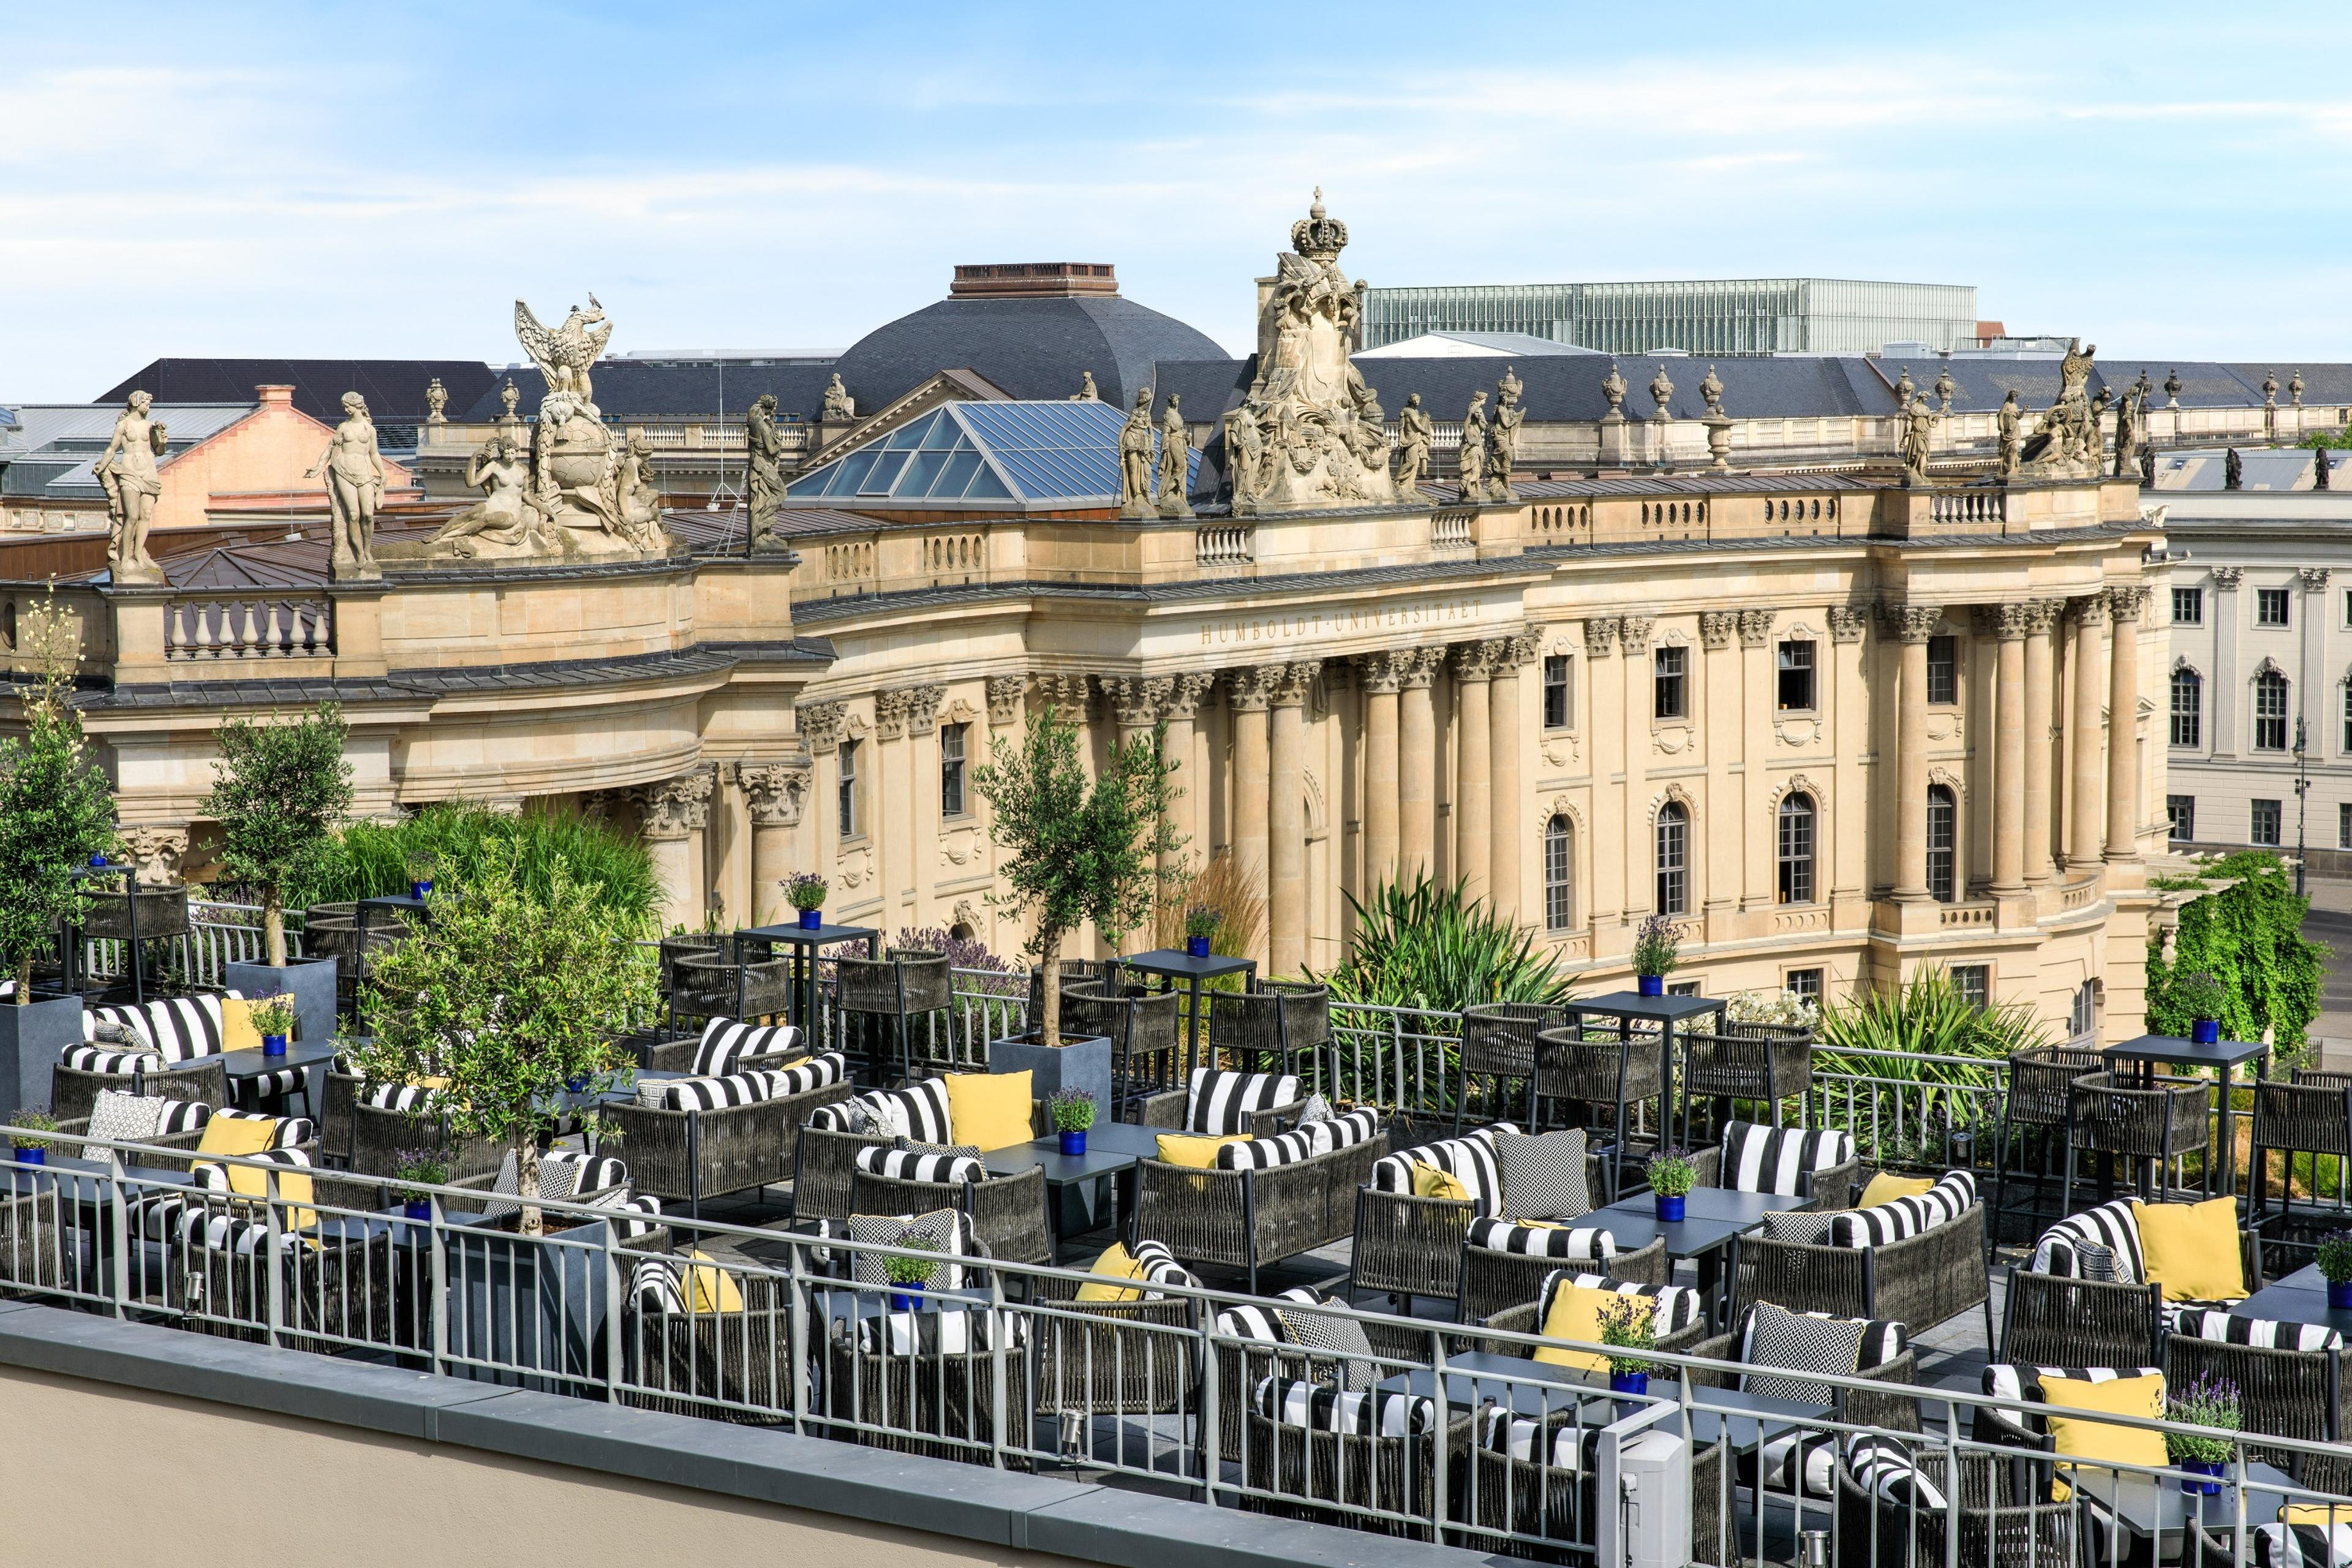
x=384 y=180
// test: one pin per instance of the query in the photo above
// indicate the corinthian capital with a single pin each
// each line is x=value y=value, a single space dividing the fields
x=1248 y=688
x=773 y=790
x=1635 y=631
x=1382 y=672
x=820 y=725
x=1422 y=670
x=1715 y=626
x=2089 y=611
x=1185 y=692
x=1066 y=694
x=922 y=704
x=1755 y=627
x=2126 y=603
x=1136 y=701
x=1472 y=660
x=1913 y=623
x=1600 y=635
x=1848 y=622
x=675 y=807
x=889 y=715
x=156 y=851
x=1005 y=696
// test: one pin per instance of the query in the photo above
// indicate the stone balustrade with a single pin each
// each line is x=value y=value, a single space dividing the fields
x=246 y=625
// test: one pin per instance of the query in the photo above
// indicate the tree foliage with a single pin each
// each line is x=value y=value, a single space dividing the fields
x=370 y=859
x=1430 y=946
x=510 y=994
x=1080 y=855
x=278 y=791
x=2249 y=937
x=55 y=808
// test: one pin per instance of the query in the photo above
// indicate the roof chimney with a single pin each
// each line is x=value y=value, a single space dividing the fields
x=280 y=397
x=1035 y=281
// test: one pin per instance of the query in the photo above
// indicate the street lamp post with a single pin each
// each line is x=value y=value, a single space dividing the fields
x=2301 y=804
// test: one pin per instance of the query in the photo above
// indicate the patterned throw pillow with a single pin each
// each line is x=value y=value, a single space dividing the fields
x=2066 y=1247
x=1343 y=1339
x=1806 y=1227
x=949 y=1232
x=123 y=1119
x=1543 y=1177
x=1799 y=1342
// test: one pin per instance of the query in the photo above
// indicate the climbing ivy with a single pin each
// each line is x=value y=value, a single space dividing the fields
x=2250 y=938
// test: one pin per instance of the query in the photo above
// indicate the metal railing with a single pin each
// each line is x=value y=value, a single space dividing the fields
x=218 y=934
x=998 y=1364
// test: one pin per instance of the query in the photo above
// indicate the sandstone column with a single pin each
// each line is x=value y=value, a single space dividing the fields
x=1003 y=694
x=1184 y=694
x=819 y=724
x=2041 y=698
x=1416 y=779
x=889 y=810
x=2009 y=624
x=1136 y=702
x=1913 y=624
x=1246 y=694
x=673 y=812
x=1286 y=818
x=1605 y=717
x=775 y=792
x=1505 y=874
x=2222 y=724
x=2083 y=807
x=2123 y=724
x=1474 y=785
x=1378 y=675
x=921 y=859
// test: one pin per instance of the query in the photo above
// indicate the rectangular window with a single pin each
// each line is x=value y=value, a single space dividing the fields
x=2270 y=713
x=2188 y=704
x=2347 y=607
x=2189 y=607
x=2265 y=828
x=1796 y=677
x=1974 y=983
x=1804 y=983
x=1672 y=666
x=1673 y=863
x=2182 y=809
x=1682 y=988
x=847 y=805
x=1796 y=862
x=2343 y=824
x=1558 y=714
x=2347 y=716
x=952 y=743
x=2270 y=606
x=1943 y=669
x=1943 y=830
x=2084 y=1015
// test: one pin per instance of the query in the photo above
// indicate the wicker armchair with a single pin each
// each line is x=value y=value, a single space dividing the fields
x=939 y=1405
x=73 y=1094
x=1078 y=974
x=162 y=913
x=2048 y=1319
x=824 y=1163
x=1494 y=1282
x=1896 y=1409
x=2304 y=1117
x=1874 y=1533
x=1553 y=1503
x=690 y=1155
x=2105 y=1118
x=677 y=1054
x=2285 y=1393
x=1166 y=1112
x=1008 y=1212
x=1113 y=1358
x=1498 y=1042
x=1272 y=1026
x=1142 y=1026
x=2041 y=1079
x=715 y=985
x=725 y=1366
x=905 y=983
x=331 y=930
x=1328 y=1475
x=1763 y=1064
x=182 y=1144
x=1408 y=1246
x=1919 y=1281
x=37 y=1253
x=379 y=1137
x=1241 y=1219
x=1829 y=1189
x=1591 y=1068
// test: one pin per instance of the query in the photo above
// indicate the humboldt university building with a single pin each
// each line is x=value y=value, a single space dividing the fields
x=1837 y=725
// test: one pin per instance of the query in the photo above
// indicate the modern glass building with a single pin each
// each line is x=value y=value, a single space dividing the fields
x=1718 y=317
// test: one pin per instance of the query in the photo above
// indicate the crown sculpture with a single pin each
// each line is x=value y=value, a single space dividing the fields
x=1310 y=433
x=573 y=488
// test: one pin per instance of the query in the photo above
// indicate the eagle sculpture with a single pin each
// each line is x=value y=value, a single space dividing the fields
x=564 y=354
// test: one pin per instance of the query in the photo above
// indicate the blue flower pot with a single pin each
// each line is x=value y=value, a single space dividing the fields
x=902 y=1296
x=1670 y=1209
x=1075 y=1142
x=2198 y=1477
x=1650 y=985
x=1629 y=1383
x=2339 y=1295
x=2206 y=1031
x=31 y=1156
x=417 y=1208
x=812 y=919
x=98 y=862
x=1196 y=947
x=273 y=1045
x=419 y=889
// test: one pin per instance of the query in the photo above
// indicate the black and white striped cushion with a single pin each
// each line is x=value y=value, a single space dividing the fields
x=1759 y=1159
x=1469 y=1159
x=1887 y=1469
x=921 y=1164
x=865 y=1115
x=816 y=1073
x=110 y=1060
x=657 y=1287
x=2208 y=1323
x=1320 y=1407
x=1574 y=1448
x=918 y=1111
x=1253 y=1320
x=718 y=1093
x=289 y=1131
x=1159 y=1267
x=1804 y=1458
x=185 y=1116
x=1672 y=1307
x=727 y=1045
x=1218 y=1101
x=185 y=1028
x=2304 y=1545
x=1335 y=1133
x=1952 y=1195
x=399 y=1097
x=1264 y=1153
x=567 y=1177
x=954 y=1330
x=2008 y=1380
x=1589 y=1243
x=636 y=1214
x=2111 y=1226
x=264 y=1086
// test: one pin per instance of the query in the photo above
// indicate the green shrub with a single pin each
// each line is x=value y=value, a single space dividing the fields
x=1434 y=947
x=2248 y=938
x=370 y=859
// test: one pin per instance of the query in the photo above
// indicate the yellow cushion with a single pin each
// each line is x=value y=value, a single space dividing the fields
x=1200 y=1154
x=251 y=1135
x=1429 y=1181
x=2321 y=1515
x=1884 y=1188
x=990 y=1110
x=2191 y=1250
x=237 y=1135
x=238 y=1032
x=428 y=1081
x=1576 y=1315
x=1116 y=1263
x=2104 y=1440
x=710 y=1288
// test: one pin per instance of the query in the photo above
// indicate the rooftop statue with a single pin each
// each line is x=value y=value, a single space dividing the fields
x=763 y=464
x=509 y=520
x=2131 y=413
x=1473 y=449
x=1503 y=437
x=1135 y=489
x=1918 y=431
x=1661 y=392
x=564 y=354
x=354 y=471
x=1175 y=462
x=1307 y=399
x=126 y=471
x=1414 y=434
x=1086 y=392
x=1613 y=387
x=436 y=403
x=838 y=408
x=2065 y=441
x=2010 y=421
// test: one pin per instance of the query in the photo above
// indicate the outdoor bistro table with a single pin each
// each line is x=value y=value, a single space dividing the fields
x=1747 y=1421
x=806 y=944
x=1171 y=965
x=2148 y=1050
x=2152 y=1505
x=1112 y=1150
x=1713 y=1217
x=2300 y=1297
x=1669 y=1013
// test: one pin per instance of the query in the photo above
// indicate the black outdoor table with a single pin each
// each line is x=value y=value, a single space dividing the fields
x=247 y=1064
x=2300 y=1297
x=2170 y=1050
x=806 y=944
x=1113 y=1149
x=2156 y=1507
x=1747 y=1421
x=1713 y=1217
x=1669 y=1013
x=1172 y=965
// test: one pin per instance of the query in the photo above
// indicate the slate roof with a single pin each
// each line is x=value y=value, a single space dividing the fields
x=1034 y=349
x=394 y=388
x=632 y=389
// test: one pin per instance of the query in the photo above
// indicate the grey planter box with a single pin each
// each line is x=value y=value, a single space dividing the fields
x=32 y=1040
x=1079 y=1062
x=536 y=1310
x=311 y=982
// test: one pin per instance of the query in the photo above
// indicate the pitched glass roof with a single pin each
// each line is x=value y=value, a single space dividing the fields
x=984 y=453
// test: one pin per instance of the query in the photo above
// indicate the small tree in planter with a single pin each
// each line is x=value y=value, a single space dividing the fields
x=56 y=811
x=278 y=793
x=1079 y=855
x=2336 y=1267
x=511 y=995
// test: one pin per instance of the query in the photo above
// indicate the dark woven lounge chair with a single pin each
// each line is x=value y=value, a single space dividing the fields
x=2312 y=1115
x=1008 y=1212
x=725 y=1366
x=2048 y=1319
x=1113 y=1358
x=1242 y=1219
x=2107 y=1118
x=2285 y=1393
x=1494 y=1282
x=1589 y=1068
x=1761 y=1064
x=1872 y=1532
x=2040 y=1080
x=1276 y=1025
x=1142 y=1026
x=904 y=985
x=73 y=1094
x=1556 y=1504
x=1328 y=1477
x=690 y=1155
x=1919 y=1281
x=1408 y=1246
x=1498 y=1043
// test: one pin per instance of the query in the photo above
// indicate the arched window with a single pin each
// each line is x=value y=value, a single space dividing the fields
x=1559 y=870
x=1943 y=822
x=1674 y=859
x=1796 y=849
x=2270 y=711
x=2188 y=707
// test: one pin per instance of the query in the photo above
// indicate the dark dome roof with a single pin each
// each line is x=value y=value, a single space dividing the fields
x=1030 y=348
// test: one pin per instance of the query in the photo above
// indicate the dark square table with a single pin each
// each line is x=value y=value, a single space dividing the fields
x=1173 y=965
x=1712 y=1219
x=247 y=1064
x=1745 y=1421
x=2170 y=1050
x=2156 y=1511
x=1670 y=1014
x=1112 y=1150
x=2300 y=1297
x=807 y=945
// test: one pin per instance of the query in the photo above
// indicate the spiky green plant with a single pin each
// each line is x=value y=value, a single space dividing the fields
x=1429 y=945
x=1876 y=1034
x=370 y=859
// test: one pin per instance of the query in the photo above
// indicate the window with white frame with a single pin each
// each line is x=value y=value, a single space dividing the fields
x=2188 y=707
x=849 y=796
x=1560 y=872
x=1673 y=859
x=1943 y=837
x=2270 y=711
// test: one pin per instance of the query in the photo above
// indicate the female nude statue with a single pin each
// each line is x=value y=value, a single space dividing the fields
x=126 y=471
x=354 y=486
x=507 y=519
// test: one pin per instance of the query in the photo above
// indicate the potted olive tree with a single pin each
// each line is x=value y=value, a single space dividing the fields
x=279 y=791
x=1080 y=855
x=56 y=816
